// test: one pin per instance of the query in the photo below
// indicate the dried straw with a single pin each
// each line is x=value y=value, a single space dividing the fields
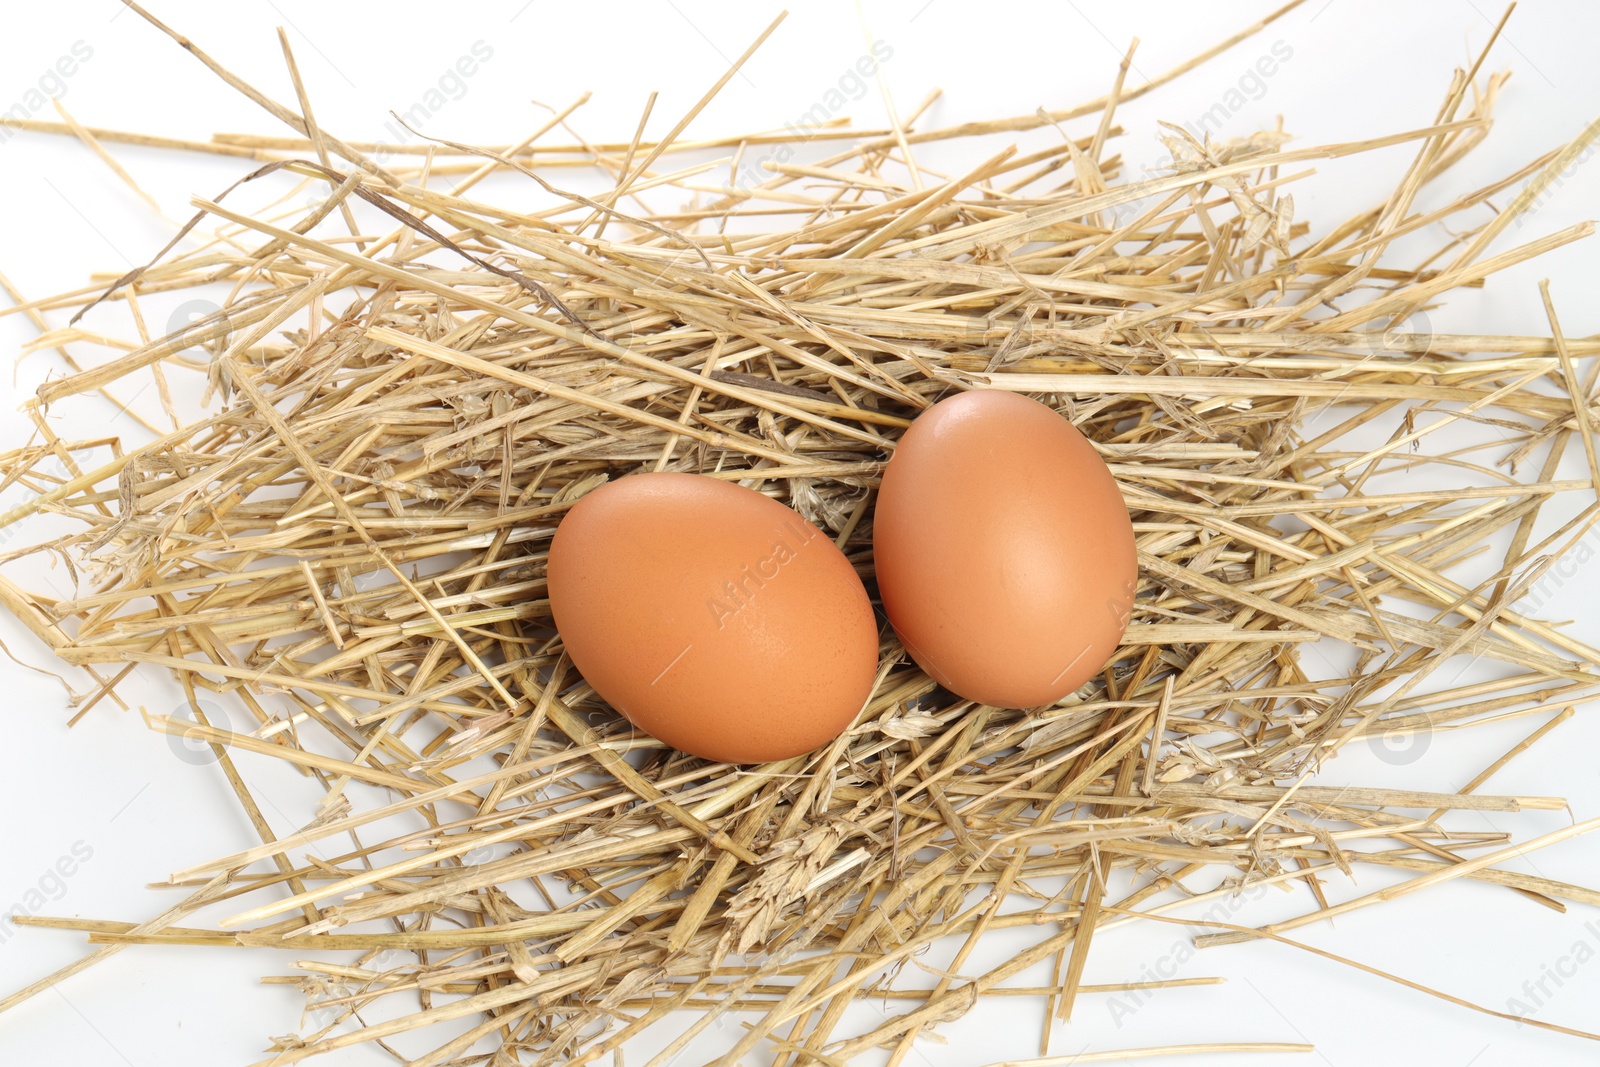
x=350 y=544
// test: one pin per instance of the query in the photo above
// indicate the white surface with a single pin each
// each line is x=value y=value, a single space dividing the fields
x=127 y=797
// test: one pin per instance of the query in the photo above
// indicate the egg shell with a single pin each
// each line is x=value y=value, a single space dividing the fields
x=716 y=619
x=1003 y=549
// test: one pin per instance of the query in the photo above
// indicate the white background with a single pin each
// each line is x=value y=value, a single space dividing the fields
x=1357 y=69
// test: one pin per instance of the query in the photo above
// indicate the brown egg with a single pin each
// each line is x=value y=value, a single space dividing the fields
x=716 y=619
x=1004 y=550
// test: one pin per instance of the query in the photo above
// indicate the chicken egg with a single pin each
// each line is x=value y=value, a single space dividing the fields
x=1004 y=552
x=714 y=618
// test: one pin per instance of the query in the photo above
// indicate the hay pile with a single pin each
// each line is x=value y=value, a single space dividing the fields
x=409 y=386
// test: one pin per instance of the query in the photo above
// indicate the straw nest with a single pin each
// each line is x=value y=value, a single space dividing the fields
x=408 y=387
